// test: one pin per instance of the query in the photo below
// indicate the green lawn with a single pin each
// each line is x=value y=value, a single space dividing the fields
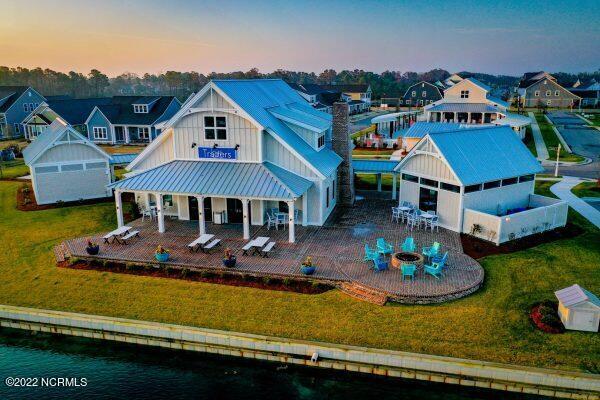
x=13 y=169
x=529 y=142
x=369 y=181
x=587 y=189
x=595 y=119
x=372 y=152
x=552 y=141
x=6 y=143
x=491 y=324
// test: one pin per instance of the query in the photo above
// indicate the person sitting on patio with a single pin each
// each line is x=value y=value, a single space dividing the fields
x=383 y=247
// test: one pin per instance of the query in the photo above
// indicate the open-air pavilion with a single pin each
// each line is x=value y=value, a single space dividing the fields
x=378 y=168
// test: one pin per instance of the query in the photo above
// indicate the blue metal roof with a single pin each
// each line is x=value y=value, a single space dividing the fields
x=498 y=101
x=218 y=178
x=485 y=154
x=300 y=118
x=373 y=166
x=42 y=141
x=421 y=129
x=465 y=107
x=480 y=84
x=122 y=158
x=257 y=96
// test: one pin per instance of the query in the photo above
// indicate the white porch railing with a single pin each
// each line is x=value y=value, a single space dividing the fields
x=545 y=214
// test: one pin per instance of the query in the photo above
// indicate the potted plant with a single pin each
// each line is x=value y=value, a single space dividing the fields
x=308 y=268
x=161 y=254
x=92 y=248
x=229 y=259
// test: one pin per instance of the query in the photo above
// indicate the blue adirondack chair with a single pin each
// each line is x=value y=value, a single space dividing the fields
x=440 y=260
x=370 y=255
x=435 y=271
x=383 y=247
x=409 y=244
x=431 y=251
x=379 y=264
x=408 y=270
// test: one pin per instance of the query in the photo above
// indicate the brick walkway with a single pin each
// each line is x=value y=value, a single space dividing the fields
x=337 y=249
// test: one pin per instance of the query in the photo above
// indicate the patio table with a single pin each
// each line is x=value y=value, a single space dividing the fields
x=117 y=232
x=258 y=243
x=427 y=215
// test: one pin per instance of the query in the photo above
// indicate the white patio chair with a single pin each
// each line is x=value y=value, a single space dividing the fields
x=434 y=223
x=396 y=214
x=146 y=214
x=412 y=221
x=280 y=220
x=271 y=221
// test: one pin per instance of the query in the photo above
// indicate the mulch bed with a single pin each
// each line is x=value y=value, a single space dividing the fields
x=26 y=200
x=218 y=277
x=536 y=318
x=478 y=248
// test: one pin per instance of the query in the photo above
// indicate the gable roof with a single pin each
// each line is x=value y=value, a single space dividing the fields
x=421 y=129
x=9 y=94
x=575 y=294
x=308 y=88
x=120 y=109
x=433 y=85
x=479 y=84
x=257 y=97
x=483 y=154
x=529 y=78
x=76 y=111
x=47 y=138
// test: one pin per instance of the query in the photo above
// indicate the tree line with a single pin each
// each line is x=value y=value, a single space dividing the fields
x=388 y=84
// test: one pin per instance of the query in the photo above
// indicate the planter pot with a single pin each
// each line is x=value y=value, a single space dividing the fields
x=162 y=257
x=229 y=263
x=308 y=270
x=93 y=250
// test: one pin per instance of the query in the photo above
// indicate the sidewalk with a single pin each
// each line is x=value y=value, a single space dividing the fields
x=563 y=190
x=540 y=145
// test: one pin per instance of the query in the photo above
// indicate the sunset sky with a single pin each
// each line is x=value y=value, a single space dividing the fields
x=508 y=37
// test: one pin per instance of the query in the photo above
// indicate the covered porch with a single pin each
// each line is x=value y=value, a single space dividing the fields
x=218 y=193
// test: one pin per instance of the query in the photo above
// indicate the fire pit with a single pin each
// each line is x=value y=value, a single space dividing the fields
x=406 y=257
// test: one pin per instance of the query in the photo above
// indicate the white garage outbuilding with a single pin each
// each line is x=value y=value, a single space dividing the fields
x=578 y=308
x=66 y=166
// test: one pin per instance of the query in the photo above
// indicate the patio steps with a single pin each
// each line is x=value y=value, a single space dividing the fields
x=364 y=293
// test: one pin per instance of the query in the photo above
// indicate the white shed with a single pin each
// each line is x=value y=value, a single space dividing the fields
x=578 y=308
x=66 y=166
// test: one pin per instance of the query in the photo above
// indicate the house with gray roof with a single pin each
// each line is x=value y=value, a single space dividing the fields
x=537 y=89
x=16 y=102
x=588 y=91
x=320 y=98
x=234 y=152
x=130 y=119
x=421 y=93
x=74 y=112
x=478 y=180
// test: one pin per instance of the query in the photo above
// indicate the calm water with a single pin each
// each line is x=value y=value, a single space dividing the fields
x=117 y=371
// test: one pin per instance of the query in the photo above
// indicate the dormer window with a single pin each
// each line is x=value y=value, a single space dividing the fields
x=321 y=140
x=215 y=128
x=464 y=94
x=140 y=108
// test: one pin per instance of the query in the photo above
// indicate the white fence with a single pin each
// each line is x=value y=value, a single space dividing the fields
x=545 y=214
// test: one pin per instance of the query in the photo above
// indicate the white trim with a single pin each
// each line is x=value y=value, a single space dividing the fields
x=169 y=105
x=99 y=133
x=153 y=144
x=295 y=153
x=22 y=94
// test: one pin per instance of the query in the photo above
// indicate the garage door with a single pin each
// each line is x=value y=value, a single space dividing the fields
x=70 y=183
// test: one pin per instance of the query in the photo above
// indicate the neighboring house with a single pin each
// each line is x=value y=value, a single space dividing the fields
x=72 y=111
x=238 y=149
x=321 y=99
x=541 y=89
x=16 y=102
x=358 y=96
x=420 y=94
x=454 y=79
x=479 y=180
x=588 y=91
x=130 y=119
x=578 y=309
x=66 y=166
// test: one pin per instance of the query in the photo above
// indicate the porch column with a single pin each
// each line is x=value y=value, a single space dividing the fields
x=468 y=118
x=379 y=182
x=483 y=118
x=119 y=205
x=291 y=225
x=147 y=201
x=393 y=186
x=455 y=117
x=126 y=132
x=201 y=217
x=246 y=222
x=305 y=208
x=161 y=214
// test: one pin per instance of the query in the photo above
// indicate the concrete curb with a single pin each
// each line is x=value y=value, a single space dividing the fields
x=546 y=382
x=562 y=190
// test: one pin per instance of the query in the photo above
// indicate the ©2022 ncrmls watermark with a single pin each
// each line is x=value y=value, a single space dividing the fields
x=45 y=381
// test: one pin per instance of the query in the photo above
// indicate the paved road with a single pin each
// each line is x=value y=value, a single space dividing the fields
x=582 y=139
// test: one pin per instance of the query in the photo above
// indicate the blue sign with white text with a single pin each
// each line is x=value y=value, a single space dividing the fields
x=221 y=153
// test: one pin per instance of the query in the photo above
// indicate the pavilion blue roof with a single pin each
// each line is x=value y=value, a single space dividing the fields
x=465 y=107
x=374 y=166
x=218 y=178
x=122 y=158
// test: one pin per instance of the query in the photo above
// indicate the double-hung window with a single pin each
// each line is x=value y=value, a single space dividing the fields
x=424 y=93
x=143 y=133
x=100 y=132
x=215 y=128
x=557 y=93
x=140 y=109
x=464 y=94
x=321 y=141
x=414 y=94
x=26 y=107
x=537 y=93
x=548 y=92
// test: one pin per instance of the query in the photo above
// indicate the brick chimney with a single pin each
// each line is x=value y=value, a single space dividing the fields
x=342 y=145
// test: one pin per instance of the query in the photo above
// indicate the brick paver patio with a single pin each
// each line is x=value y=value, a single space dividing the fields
x=336 y=248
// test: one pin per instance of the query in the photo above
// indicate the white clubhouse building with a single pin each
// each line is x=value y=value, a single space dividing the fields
x=235 y=150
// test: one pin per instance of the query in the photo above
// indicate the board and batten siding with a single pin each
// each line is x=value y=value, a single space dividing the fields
x=429 y=167
x=190 y=129
x=67 y=152
x=160 y=155
x=72 y=185
x=309 y=136
x=276 y=153
x=98 y=120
